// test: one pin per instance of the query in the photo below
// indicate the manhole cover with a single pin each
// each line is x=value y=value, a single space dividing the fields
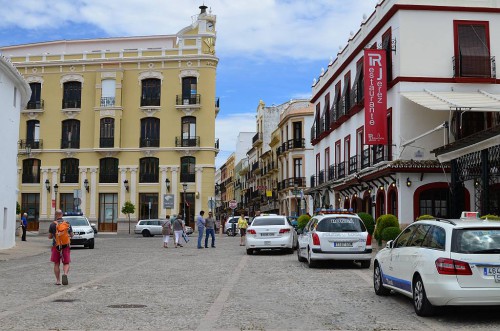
x=64 y=300
x=127 y=306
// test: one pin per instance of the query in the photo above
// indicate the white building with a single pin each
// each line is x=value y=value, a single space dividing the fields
x=442 y=154
x=14 y=95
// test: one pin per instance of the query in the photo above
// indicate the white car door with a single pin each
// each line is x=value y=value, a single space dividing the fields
x=304 y=238
x=392 y=273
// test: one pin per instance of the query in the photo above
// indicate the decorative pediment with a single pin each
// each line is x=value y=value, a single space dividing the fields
x=32 y=114
x=70 y=114
x=69 y=154
x=150 y=111
x=149 y=152
x=71 y=78
x=108 y=153
x=34 y=79
x=188 y=73
x=150 y=74
x=187 y=152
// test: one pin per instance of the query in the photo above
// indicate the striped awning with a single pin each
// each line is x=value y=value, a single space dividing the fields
x=465 y=101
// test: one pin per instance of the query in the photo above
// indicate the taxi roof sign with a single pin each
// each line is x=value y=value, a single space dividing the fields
x=470 y=215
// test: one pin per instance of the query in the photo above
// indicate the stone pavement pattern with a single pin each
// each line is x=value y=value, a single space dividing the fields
x=208 y=289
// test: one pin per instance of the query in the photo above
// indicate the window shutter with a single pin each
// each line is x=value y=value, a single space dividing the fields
x=474 y=57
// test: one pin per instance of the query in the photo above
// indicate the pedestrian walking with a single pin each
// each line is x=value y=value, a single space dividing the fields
x=60 y=232
x=242 y=225
x=210 y=229
x=166 y=231
x=24 y=225
x=178 y=230
x=200 y=224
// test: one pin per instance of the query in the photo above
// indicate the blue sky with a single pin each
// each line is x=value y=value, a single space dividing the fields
x=269 y=50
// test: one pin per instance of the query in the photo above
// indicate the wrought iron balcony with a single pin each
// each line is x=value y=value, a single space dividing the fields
x=149 y=142
x=474 y=66
x=30 y=178
x=31 y=143
x=380 y=153
x=321 y=177
x=255 y=166
x=106 y=142
x=189 y=178
x=217 y=103
x=291 y=182
x=71 y=104
x=69 y=177
x=107 y=101
x=257 y=138
x=217 y=143
x=296 y=143
x=108 y=177
x=145 y=102
x=187 y=142
x=37 y=104
x=73 y=143
x=149 y=178
x=186 y=100
x=365 y=158
x=313 y=181
x=341 y=169
x=332 y=172
x=353 y=164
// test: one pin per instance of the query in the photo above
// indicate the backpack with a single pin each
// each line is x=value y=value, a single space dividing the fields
x=62 y=235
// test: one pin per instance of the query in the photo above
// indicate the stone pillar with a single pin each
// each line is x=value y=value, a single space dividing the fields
x=93 y=192
x=53 y=181
x=83 y=176
x=199 y=180
x=174 y=187
x=123 y=191
x=44 y=193
x=133 y=185
x=163 y=191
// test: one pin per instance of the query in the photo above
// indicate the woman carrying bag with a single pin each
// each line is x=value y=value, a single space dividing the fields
x=166 y=231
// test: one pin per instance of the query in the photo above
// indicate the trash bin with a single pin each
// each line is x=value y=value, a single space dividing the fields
x=233 y=229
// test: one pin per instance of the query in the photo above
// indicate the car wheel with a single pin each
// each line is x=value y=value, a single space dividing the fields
x=300 y=258
x=365 y=264
x=422 y=306
x=146 y=233
x=229 y=232
x=310 y=262
x=249 y=251
x=91 y=244
x=377 y=281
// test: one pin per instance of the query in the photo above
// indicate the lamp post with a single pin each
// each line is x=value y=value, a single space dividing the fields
x=295 y=191
x=56 y=188
x=184 y=188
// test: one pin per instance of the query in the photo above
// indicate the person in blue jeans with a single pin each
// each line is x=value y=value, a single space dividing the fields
x=210 y=229
x=200 y=224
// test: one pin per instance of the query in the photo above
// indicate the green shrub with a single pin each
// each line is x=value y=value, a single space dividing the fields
x=369 y=222
x=390 y=233
x=302 y=221
x=491 y=217
x=384 y=221
x=425 y=217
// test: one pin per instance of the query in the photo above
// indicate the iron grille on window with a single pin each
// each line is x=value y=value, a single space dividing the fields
x=69 y=171
x=72 y=95
x=151 y=89
x=148 y=172
x=108 y=170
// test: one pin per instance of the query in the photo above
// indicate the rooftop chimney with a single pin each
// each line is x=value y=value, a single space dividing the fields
x=203 y=9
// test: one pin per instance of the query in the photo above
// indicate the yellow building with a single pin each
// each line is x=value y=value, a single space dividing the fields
x=119 y=119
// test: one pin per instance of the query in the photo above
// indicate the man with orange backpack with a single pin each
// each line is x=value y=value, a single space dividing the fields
x=60 y=232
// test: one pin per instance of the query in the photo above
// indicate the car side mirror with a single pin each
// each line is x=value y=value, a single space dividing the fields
x=389 y=244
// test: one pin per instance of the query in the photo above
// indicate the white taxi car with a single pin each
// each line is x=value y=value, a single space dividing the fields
x=270 y=232
x=442 y=262
x=83 y=232
x=335 y=235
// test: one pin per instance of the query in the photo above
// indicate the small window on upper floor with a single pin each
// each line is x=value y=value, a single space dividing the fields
x=69 y=170
x=108 y=90
x=151 y=92
x=472 y=50
x=35 y=101
x=72 y=95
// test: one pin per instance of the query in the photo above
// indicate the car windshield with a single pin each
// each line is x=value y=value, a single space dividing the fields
x=340 y=224
x=77 y=221
x=477 y=241
x=268 y=221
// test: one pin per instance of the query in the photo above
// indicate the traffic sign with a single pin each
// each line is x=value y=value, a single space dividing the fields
x=233 y=204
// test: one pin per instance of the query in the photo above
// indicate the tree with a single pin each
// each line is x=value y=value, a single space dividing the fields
x=127 y=209
x=18 y=208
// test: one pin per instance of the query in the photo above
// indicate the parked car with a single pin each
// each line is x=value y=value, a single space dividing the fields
x=228 y=229
x=83 y=233
x=442 y=262
x=149 y=228
x=270 y=232
x=335 y=235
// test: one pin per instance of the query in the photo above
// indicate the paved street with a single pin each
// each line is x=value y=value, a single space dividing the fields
x=132 y=283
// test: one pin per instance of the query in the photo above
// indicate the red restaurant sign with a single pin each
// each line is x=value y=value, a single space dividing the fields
x=375 y=75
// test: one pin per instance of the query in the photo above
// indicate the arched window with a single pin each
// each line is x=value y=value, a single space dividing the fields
x=72 y=95
x=188 y=169
x=107 y=138
x=108 y=170
x=150 y=132
x=380 y=204
x=31 y=171
x=151 y=91
x=435 y=202
x=33 y=134
x=190 y=94
x=35 y=99
x=392 y=200
x=69 y=170
x=70 y=137
x=148 y=170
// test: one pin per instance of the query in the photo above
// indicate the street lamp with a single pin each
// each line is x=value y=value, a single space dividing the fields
x=56 y=188
x=295 y=191
x=167 y=184
x=184 y=188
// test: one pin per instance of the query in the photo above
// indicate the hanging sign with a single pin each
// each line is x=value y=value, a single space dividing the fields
x=375 y=76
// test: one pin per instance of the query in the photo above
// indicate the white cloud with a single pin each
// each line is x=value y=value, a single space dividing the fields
x=227 y=129
x=260 y=29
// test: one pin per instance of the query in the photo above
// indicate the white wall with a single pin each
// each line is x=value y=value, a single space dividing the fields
x=14 y=94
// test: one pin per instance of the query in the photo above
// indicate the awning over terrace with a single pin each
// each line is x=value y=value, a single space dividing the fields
x=480 y=101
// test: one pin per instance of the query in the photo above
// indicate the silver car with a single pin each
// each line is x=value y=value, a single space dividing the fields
x=228 y=226
x=149 y=228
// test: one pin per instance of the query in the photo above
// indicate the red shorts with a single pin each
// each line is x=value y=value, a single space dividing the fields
x=60 y=256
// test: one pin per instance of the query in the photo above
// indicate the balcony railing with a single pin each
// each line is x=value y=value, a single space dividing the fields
x=31 y=178
x=341 y=169
x=106 y=142
x=189 y=178
x=255 y=166
x=149 y=142
x=107 y=101
x=296 y=143
x=71 y=104
x=185 y=100
x=32 y=143
x=37 y=104
x=474 y=66
x=108 y=178
x=187 y=142
x=321 y=177
x=365 y=158
x=257 y=137
x=69 y=178
x=291 y=182
x=217 y=143
x=70 y=143
x=331 y=172
x=380 y=154
x=313 y=181
x=353 y=164
x=217 y=102
x=148 y=178
x=357 y=94
x=145 y=102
